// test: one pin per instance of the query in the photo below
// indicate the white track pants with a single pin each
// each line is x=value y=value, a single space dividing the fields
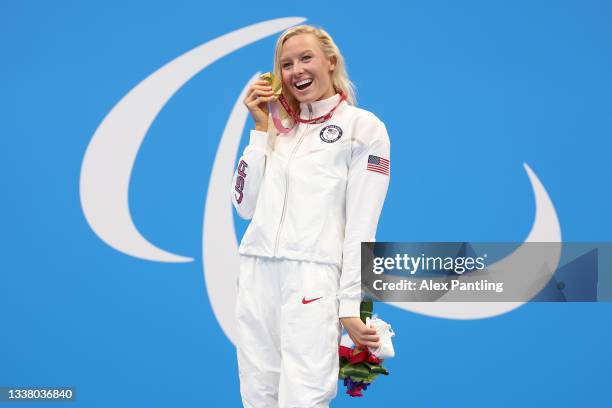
x=287 y=340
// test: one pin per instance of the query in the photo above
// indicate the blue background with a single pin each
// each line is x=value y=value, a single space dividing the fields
x=468 y=90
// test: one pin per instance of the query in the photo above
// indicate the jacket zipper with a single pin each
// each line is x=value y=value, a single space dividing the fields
x=297 y=145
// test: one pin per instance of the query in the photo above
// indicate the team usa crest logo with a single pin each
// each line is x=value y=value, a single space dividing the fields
x=330 y=133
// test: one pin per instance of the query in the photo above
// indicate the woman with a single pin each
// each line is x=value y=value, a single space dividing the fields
x=314 y=194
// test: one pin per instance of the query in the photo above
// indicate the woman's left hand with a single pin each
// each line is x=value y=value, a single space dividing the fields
x=362 y=335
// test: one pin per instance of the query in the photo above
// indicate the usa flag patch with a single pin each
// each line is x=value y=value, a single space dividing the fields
x=378 y=164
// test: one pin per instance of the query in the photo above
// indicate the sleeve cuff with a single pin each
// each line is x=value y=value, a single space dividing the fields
x=349 y=308
x=258 y=139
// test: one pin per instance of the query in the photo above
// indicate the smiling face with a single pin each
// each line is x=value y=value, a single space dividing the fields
x=305 y=69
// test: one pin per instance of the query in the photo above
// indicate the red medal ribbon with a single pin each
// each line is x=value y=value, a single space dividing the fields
x=320 y=119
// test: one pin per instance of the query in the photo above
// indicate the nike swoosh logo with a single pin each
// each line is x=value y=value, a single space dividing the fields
x=304 y=301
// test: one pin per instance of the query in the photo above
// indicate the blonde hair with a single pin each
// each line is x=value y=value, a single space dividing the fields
x=340 y=79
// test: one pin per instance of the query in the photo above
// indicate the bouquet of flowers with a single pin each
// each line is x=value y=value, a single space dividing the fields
x=359 y=368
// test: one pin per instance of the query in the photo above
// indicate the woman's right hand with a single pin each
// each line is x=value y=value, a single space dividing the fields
x=256 y=101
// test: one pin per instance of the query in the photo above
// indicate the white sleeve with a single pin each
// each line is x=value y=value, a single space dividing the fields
x=368 y=179
x=249 y=174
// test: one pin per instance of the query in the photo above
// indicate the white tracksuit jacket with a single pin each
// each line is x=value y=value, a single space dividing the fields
x=312 y=193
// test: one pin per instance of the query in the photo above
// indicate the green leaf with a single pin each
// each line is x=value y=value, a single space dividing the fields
x=366 y=309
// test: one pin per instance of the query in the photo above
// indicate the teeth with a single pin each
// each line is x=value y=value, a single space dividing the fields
x=304 y=82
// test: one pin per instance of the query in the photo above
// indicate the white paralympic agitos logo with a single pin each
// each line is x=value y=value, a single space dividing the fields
x=110 y=156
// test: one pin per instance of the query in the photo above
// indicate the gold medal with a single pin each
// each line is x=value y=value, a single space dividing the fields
x=274 y=81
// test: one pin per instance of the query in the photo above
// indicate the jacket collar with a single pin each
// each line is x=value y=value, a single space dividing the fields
x=319 y=108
